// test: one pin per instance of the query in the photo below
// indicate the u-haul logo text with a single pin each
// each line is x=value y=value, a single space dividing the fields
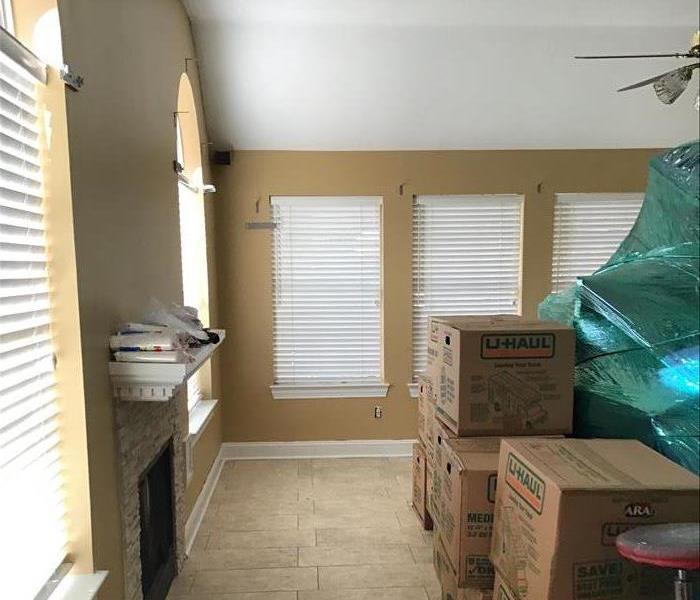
x=525 y=483
x=517 y=345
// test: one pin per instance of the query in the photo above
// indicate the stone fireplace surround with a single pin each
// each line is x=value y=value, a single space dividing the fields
x=143 y=429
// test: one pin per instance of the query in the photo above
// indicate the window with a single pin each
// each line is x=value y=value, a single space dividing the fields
x=193 y=250
x=466 y=260
x=588 y=228
x=327 y=297
x=6 y=20
x=32 y=511
x=193 y=241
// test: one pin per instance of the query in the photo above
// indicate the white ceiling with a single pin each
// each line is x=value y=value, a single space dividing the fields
x=438 y=74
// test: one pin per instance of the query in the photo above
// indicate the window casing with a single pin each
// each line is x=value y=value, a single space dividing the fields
x=588 y=229
x=327 y=296
x=466 y=260
x=32 y=503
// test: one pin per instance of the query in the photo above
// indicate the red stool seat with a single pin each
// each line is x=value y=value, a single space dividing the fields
x=674 y=546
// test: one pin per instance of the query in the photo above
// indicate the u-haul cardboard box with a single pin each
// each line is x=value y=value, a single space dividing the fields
x=426 y=420
x=425 y=388
x=501 y=589
x=448 y=578
x=419 y=486
x=505 y=375
x=468 y=470
x=441 y=437
x=432 y=369
x=429 y=474
x=560 y=504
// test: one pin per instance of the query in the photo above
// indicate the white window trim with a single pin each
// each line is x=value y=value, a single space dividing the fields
x=6 y=16
x=302 y=391
x=79 y=586
x=199 y=416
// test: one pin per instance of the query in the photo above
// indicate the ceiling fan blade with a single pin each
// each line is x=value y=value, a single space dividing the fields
x=653 y=80
x=671 y=55
x=639 y=84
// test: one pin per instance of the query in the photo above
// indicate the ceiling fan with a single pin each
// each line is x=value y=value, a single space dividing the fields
x=670 y=85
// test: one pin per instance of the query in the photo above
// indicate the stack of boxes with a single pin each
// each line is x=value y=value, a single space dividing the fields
x=424 y=454
x=513 y=502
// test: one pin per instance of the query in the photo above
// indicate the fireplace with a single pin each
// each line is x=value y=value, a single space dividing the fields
x=157 y=539
x=146 y=431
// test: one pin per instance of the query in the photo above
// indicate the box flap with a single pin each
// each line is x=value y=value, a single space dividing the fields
x=478 y=454
x=500 y=323
x=573 y=464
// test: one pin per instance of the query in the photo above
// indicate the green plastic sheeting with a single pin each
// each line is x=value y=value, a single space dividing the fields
x=637 y=321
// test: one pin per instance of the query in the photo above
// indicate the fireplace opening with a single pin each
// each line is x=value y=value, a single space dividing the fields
x=158 y=564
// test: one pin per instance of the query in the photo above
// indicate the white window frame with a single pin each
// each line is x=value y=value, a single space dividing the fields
x=6 y=16
x=422 y=207
x=310 y=388
x=602 y=209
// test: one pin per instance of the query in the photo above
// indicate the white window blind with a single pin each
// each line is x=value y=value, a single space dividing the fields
x=588 y=228
x=466 y=260
x=327 y=290
x=31 y=491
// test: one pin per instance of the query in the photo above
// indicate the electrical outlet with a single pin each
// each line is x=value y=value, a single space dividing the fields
x=378 y=412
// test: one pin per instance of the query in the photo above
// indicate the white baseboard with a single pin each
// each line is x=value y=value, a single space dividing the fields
x=200 y=506
x=324 y=449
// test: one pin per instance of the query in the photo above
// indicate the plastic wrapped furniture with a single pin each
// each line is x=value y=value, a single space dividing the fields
x=637 y=321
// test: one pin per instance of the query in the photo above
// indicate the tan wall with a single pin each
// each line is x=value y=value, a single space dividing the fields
x=244 y=263
x=121 y=140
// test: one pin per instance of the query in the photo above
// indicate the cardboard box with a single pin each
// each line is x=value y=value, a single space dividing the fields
x=429 y=474
x=501 y=589
x=468 y=469
x=560 y=505
x=432 y=369
x=425 y=388
x=448 y=578
x=426 y=421
x=419 y=486
x=504 y=375
x=442 y=435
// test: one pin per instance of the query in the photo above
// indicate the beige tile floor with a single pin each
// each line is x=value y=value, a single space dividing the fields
x=326 y=529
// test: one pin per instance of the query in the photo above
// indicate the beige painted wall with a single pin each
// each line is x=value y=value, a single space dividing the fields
x=244 y=263
x=121 y=140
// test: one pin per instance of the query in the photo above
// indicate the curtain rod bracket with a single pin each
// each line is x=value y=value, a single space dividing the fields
x=72 y=80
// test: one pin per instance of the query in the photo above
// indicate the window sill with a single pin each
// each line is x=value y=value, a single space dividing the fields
x=412 y=389
x=296 y=391
x=79 y=587
x=199 y=417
